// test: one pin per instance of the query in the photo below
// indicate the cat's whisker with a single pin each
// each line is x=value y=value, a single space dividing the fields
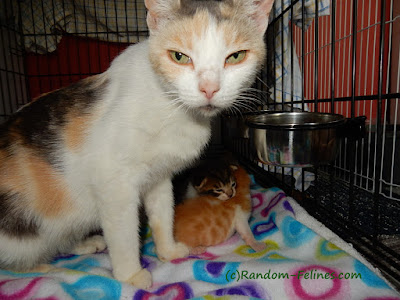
x=253 y=90
x=239 y=105
x=263 y=82
x=250 y=99
x=171 y=94
x=236 y=110
x=261 y=95
x=250 y=105
x=181 y=105
x=177 y=104
x=255 y=94
x=246 y=104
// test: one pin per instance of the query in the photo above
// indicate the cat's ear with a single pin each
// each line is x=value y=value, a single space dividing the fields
x=159 y=11
x=200 y=185
x=258 y=10
x=233 y=167
x=198 y=181
x=262 y=10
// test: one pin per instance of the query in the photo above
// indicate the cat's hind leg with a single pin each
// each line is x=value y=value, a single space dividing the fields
x=92 y=244
x=159 y=205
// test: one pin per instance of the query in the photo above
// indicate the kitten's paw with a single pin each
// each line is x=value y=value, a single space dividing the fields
x=258 y=246
x=198 y=250
x=90 y=245
x=141 y=280
x=178 y=250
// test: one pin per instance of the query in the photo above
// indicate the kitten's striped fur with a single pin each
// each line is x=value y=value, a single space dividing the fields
x=205 y=220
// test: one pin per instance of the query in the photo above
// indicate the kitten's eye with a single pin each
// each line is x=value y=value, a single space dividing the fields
x=219 y=190
x=233 y=184
x=180 y=58
x=236 y=57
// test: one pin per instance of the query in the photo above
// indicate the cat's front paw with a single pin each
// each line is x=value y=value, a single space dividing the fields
x=141 y=280
x=178 y=250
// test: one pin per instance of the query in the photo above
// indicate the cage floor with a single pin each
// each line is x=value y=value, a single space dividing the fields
x=366 y=223
x=356 y=206
x=370 y=222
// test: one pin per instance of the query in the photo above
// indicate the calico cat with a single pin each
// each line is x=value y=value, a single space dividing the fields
x=83 y=157
x=207 y=220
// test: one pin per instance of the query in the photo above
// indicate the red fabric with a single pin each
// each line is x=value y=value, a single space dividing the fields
x=74 y=59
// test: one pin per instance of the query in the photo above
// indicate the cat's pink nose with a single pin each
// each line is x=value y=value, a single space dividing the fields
x=209 y=88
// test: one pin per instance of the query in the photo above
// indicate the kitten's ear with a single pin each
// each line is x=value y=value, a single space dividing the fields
x=233 y=167
x=261 y=13
x=159 y=11
x=201 y=184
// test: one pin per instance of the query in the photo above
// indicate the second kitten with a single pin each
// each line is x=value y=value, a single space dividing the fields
x=212 y=217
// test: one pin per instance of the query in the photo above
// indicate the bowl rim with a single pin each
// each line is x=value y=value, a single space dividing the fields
x=250 y=121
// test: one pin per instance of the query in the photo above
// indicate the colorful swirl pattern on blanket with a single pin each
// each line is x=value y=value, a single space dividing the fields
x=297 y=264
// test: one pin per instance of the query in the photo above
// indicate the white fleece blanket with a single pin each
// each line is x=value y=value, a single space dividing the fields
x=303 y=260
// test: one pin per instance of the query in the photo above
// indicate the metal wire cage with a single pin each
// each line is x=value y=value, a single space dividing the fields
x=336 y=56
x=345 y=61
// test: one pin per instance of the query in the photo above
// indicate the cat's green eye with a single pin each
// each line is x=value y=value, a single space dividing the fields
x=236 y=57
x=180 y=58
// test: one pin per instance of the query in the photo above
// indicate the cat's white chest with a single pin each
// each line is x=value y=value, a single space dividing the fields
x=177 y=143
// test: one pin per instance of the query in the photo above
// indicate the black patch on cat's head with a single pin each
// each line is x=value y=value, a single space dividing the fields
x=12 y=220
x=190 y=7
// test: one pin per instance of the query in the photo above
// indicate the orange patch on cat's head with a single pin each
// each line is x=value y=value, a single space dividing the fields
x=238 y=31
x=180 y=35
x=241 y=34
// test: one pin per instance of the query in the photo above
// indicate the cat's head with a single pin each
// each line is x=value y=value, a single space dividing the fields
x=218 y=182
x=207 y=53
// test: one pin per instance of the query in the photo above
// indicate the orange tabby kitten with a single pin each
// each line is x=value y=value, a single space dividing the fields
x=206 y=220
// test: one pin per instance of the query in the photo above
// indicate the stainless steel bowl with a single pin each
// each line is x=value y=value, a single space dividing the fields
x=295 y=139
